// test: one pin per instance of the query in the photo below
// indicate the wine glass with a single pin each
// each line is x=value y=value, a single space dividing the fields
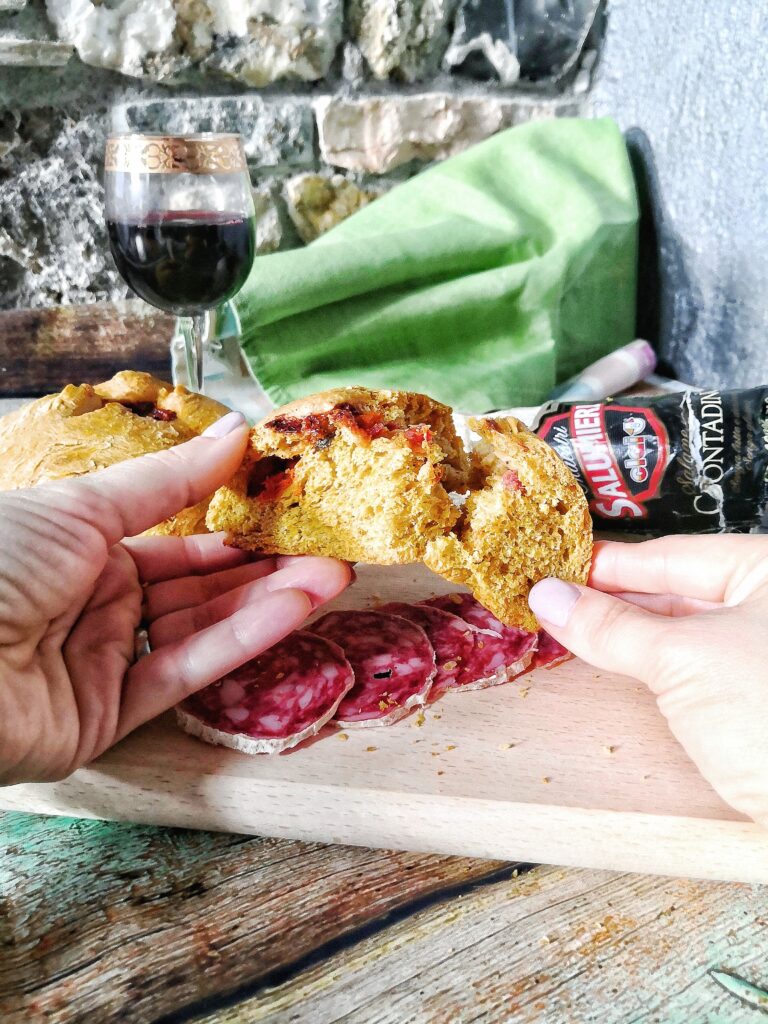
x=181 y=225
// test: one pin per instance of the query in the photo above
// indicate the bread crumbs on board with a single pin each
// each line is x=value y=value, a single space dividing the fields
x=371 y=749
x=546 y=780
x=609 y=749
x=506 y=746
x=342 y=736
x=419 y=720
x=524 y=692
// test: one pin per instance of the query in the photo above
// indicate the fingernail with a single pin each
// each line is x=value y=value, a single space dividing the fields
x=552 y=601
x=225 y=425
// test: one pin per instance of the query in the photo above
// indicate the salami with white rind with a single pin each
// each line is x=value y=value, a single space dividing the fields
x=274 y=701
x=500 y=654
x=549 y=652
x=452 y=638
x=392 y=660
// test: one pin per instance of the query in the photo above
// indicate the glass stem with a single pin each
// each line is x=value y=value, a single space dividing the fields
x=195 y=331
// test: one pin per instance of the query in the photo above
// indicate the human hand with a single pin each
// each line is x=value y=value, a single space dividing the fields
x=688 y=616
x=71 y=596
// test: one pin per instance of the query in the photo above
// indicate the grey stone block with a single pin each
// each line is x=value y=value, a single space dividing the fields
x=53 y=240
x=9 y=136
x=551 y=35
x=26 y=53
x=276 y=132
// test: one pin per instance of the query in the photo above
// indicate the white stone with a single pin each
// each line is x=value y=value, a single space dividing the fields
x=119 y=37
x=230 y=17
x=379 y=133
x=254 y=41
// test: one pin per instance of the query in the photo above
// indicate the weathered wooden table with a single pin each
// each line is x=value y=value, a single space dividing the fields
x=105 y=922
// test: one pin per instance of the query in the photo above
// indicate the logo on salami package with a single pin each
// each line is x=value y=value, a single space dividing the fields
x=617 y=452
x=691 y=461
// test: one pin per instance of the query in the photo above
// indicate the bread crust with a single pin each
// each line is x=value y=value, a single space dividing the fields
x=84 y=428
x=399 y=407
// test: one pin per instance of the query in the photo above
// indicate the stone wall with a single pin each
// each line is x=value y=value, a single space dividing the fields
x=337 y=100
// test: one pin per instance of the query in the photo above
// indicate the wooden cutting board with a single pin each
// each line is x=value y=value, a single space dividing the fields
x=569 y=766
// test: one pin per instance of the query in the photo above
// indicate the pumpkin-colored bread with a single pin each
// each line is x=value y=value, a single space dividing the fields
x=85 y=428
x=525 y=518
x=381 y=477
x=350 y=473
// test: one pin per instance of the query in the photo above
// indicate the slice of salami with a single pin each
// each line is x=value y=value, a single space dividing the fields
x=452 y=638
x=469 y=609
x=393 y=662
x=500 y=652
x=549 y=652
x=274 y=701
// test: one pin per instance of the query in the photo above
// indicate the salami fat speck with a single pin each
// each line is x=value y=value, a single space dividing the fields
x=500 y=652
x=393 y=662
x=549 y=652
x=452 y=638
x=274 y=701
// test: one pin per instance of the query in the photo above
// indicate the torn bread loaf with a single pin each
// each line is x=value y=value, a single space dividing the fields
x=351 y=473
x=85 y=428
x=375 y=476
x=525 y=518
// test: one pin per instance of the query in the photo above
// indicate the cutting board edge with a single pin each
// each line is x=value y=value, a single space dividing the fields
x=706 y=848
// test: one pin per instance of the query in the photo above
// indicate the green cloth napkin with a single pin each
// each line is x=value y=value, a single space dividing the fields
x=483 y=281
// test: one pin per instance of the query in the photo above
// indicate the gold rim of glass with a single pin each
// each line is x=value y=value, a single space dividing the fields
x=199 y=153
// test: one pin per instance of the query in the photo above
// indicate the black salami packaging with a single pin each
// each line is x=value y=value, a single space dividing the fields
x=690 y=462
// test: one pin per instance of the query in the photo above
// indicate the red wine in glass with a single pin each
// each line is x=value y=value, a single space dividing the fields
x=184 y=261
x=181 y=225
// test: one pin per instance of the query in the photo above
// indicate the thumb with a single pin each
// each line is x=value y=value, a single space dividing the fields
x=603 y=630
x=130 y=497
